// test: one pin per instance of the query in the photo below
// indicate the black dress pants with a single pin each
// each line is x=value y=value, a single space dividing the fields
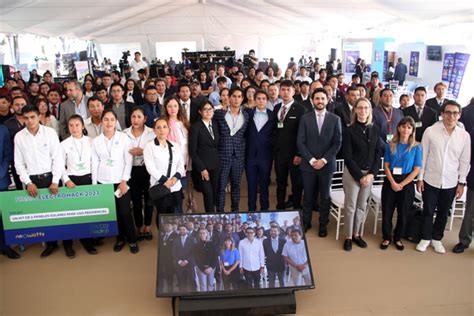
x=139 y=186
x=283 y=167
x=208 y=188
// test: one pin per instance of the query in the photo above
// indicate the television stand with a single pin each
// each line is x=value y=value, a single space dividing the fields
x=270 y=303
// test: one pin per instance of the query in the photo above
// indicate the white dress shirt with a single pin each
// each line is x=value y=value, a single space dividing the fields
x=77 y=154
x=305 y=78
x=111 y=161
x=252 y=256
x=157 y=160
x=260 y=118
x=446 y=158
x=296 y=252
x=136 y=66
x=147 y=136
x=38 y=154
x=235 y=123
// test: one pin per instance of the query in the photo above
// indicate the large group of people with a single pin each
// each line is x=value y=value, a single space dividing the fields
x=218 y=253
x=190 y=133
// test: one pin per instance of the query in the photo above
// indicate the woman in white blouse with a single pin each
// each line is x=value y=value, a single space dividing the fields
x=76 y=151
x=179 y=126
x=140 y=135
x=156 y=155
x=112 y=164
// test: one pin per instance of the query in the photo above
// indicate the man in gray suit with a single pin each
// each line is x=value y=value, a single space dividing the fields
x=76 y=104
x=319 y=140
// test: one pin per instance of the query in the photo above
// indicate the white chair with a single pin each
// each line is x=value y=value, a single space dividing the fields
x=457 y=210
x=337 y=196
x=375 y=200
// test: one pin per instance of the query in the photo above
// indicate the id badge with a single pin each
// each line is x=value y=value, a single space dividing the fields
x=389 y=138
x=226 y=264
x=397 y=171
x=81 y=166
x=418 y=124
x=280 y=125
x=109 y=162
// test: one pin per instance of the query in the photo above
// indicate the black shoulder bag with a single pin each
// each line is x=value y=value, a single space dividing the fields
x=159 y=190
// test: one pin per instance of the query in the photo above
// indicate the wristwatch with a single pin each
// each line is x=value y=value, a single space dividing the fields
x=461 y=183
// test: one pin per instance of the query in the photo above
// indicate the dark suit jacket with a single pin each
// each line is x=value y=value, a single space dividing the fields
x=467 y=118
x=326 y=145
x=275 y=261
x=428 y=118
x=231 y=145
x=306 y=103
x=433 y=104
x=344 y=113
x=202 y=148
x=194 y=112
x=259 y=143
x=183 y=253
x=284 y=144
x=166 y=249
x=66 y=110
x=340 y=97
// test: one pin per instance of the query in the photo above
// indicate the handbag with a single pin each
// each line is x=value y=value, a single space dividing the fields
x=414 y=224
x=159 y=190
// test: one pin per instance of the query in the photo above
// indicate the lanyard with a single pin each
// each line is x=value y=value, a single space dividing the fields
x=79 y=153
x=389 y=120
x=109 y=148
x=139 y=138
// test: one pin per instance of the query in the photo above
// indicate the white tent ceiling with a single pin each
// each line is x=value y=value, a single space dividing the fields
x=92 y=19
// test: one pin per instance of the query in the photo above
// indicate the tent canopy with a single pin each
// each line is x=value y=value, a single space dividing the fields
x=92 y=19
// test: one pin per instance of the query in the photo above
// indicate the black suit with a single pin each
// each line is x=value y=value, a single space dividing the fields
x=182 y=253
x=306 y=103
x=284 y=148
x=166 y=267
x=205 y=156
x=274 y=261
x=428 y=118
x=467 y=118
x=344 y=112
x=434 y=105
x=318 y=145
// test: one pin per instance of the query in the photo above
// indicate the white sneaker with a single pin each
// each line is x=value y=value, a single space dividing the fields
x=423 y=245
x=438 y=246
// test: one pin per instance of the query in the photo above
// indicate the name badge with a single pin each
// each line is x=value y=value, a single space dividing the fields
x=226 y=264
x=389 y=138
x=418 y=124
x=397 y=171
x=280 y=125
x=292 y=117
x=109 y=162
x=81 y=166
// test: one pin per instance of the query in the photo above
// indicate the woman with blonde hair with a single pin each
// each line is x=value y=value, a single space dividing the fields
x=402 y=163
x=362 y=151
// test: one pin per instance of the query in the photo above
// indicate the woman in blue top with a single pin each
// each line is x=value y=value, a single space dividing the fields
x=229 y=262
x=403 y=159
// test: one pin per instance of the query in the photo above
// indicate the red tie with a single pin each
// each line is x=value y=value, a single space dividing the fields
x=54 y=111
x=282 y=113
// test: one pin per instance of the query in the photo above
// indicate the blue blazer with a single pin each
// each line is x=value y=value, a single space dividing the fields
x=6 y=150
x=259 y=143
x=312 y=144
x=230 y=145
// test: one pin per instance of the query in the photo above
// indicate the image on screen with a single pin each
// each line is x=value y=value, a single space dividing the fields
x=209 y=254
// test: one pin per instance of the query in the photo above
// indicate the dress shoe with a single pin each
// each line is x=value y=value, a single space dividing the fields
x=323 y=231
x=459 y=248
x=148 y=236
x=288 y=204
x=10 y=253
x=359 y=242
x=399 y=245
x=306 y=228
x=118 y=246
x=140 y=236
x=49 y=250
x=423 y=245
x=348 y=245
x=92 y=250
x=384 y=244
x=134 y=248
x=438 y=246
x=70 y=253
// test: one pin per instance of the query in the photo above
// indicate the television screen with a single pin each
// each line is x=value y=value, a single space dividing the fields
x=231 y=253
x=433 y=53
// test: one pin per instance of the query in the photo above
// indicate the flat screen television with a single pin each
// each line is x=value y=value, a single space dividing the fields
x=433 y=53
x=215 y=254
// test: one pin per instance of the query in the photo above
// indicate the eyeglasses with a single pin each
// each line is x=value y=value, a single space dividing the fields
x=451 y=113
x=208 y=109
x=152 y=94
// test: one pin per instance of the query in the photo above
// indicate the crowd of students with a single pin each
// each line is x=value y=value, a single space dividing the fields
x=200 y=134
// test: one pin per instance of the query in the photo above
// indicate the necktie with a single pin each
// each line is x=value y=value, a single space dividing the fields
x=183 y=240
x=419 y=110
x=282 y=113
x=54 y=111
x=211 y=131
x=320 y=121
x=155 y=113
